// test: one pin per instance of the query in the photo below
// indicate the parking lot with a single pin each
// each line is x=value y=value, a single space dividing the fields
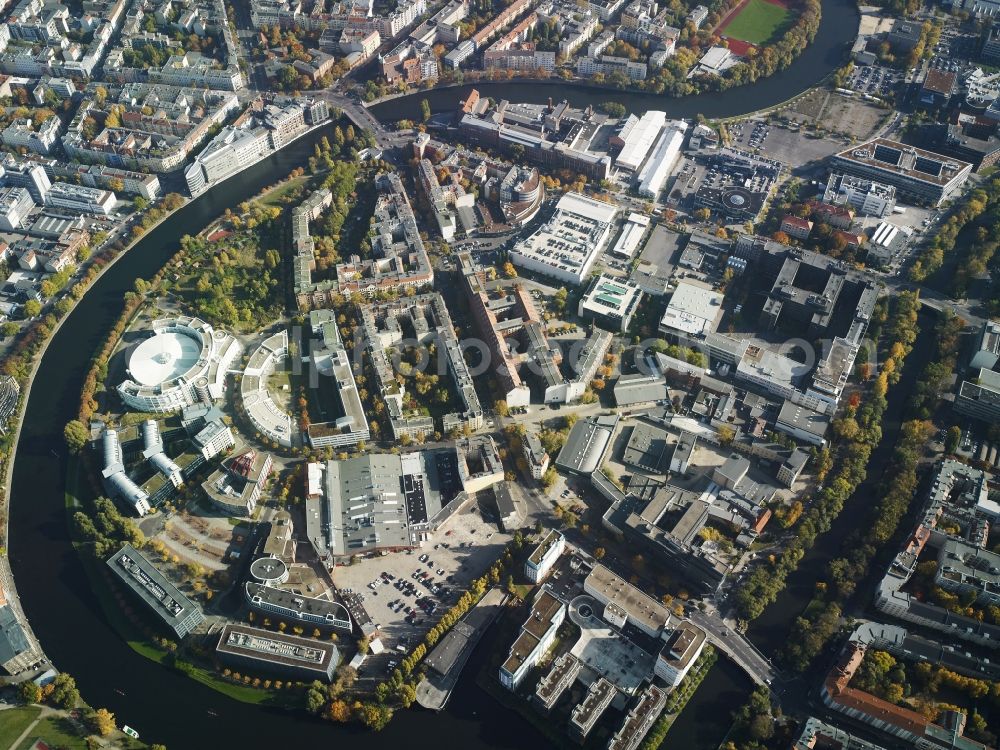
x=405 y=607
x=793 y=147
x=874 y=80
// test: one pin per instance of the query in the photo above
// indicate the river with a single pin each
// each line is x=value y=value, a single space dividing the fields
x=837 y=31
x=169 y=708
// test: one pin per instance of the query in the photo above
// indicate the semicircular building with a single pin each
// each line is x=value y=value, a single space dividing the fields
x=182 y=362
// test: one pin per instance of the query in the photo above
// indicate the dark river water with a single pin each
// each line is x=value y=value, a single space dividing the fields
x=166 y=707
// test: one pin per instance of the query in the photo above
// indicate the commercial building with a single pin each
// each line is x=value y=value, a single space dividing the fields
x=183 y=361
x=15 y=205
x=212 y=439
x=565 y=669
x=802 y=423
x=385 y=502
x=886 y=242
x=937 y=87
x=292 y=606
x=633 y=606
x=632 y=233
x=556 y=136
x=535 y=638
x=867 y=197
x=643 y=715
x=237 y=485
x=660 y=163
x=544 y=556
x=792 y=467
x=85 y=200
x=638 y=136
x=117 y=483
x=681 y=649
x=277 y=654
x=264 y=414
x=693 y=310
x=610 y=302
x=178 y=613
x=978 y=395
x=567 y=246
x=919 y=175
x=585 y=446
x=904 y=34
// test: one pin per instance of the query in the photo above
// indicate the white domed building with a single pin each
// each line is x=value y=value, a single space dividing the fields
x=182 y=362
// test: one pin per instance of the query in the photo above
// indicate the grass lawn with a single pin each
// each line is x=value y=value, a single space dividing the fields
x=55 y=731
x=759 y=22
x=13 y=721
x=277 y=196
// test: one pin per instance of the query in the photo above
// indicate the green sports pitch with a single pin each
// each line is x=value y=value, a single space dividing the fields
x=758 y=22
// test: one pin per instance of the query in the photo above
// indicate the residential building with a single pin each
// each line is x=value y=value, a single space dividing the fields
x=586 y=713
x=536 y=636
x=795 y=227
x=544 y=556
x=535 y=454
x=965 y=568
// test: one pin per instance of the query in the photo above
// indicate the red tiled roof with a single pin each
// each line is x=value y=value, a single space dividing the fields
x=795 y=221
x=837 y=686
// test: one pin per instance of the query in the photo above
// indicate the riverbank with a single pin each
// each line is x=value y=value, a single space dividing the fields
x=828 y=51
x=7 y=579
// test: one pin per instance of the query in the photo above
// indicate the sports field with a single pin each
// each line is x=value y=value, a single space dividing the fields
x=757 y=22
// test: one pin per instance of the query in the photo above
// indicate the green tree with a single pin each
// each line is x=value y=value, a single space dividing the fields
x=31 y=308
x=76 y=435
x=9 y=329
x=953 y=438
x=315 y=697
x=64 y=691
x=29 y=692
x=102 y=722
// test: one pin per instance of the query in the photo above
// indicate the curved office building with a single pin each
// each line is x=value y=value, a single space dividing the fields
x=182 y=362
